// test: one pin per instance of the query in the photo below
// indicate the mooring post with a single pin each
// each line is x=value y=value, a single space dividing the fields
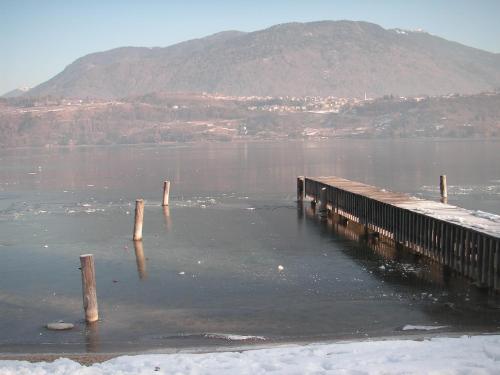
x=166 y=193
x=300 y=188
x=322 y=205
x=88 y=288
x=443 y=188
x=139 y=217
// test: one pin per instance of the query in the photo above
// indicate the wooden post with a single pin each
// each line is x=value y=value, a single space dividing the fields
x=496 y=266
x=322 y=200
x=300 y=188
x=166 y=193
x=139 y=217
x=88 y=288
x=443 y=188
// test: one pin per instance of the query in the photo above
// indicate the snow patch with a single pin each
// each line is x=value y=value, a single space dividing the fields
x=464 y=355
x=487 y=215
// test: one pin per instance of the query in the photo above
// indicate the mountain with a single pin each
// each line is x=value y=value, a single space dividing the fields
x=16 y=92
x=339 y=58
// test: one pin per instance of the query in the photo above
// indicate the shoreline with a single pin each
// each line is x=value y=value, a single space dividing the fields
x=251 y=140
x=92 y=358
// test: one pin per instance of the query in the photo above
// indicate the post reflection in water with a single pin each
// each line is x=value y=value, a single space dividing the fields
x=141 y=261
x=168 y=219
x=300 y=211
x=92 y=337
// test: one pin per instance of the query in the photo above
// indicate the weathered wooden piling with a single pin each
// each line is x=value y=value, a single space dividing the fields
x=322 y=203
x=443 y=188
x=451 y=236
x=139 y=217
x=300 y=188
x=166 y=193
x=89 y=288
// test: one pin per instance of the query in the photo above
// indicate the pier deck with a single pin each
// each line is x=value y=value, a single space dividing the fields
x=464 y=240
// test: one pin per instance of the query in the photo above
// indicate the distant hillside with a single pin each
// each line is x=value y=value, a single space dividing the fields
x=341 y=58
x=163 y=117
x=16 y=92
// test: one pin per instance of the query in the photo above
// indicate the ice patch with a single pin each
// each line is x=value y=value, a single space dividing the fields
x=410 y=327
x=230 y=337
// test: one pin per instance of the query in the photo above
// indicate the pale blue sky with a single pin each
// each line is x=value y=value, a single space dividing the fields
x=39 y=38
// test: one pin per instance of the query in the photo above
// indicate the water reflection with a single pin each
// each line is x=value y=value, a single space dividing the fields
x=406 y=267
x=167 y=218
x=140 y=260
x=92 y=342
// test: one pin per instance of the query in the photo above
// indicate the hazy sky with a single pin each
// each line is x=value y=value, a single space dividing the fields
x=39 y=38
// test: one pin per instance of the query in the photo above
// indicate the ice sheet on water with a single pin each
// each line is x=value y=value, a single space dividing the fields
x=199 y=202
x=464 y=189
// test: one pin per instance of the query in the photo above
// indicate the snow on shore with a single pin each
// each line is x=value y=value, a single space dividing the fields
x=464 y=355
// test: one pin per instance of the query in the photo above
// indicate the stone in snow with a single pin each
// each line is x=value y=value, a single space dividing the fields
x=59 y=326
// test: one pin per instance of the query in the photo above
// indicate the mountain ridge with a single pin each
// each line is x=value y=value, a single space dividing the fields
x=340 y=58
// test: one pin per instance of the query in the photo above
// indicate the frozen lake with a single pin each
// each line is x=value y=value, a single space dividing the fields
x=211 y=263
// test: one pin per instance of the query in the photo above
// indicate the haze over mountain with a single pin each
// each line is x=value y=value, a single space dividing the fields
x=16 y=92
x=340 y=58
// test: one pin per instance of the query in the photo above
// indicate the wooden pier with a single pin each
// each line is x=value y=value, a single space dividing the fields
x=467 y=242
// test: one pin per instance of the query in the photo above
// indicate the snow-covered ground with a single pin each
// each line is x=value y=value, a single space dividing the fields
x=464 y=355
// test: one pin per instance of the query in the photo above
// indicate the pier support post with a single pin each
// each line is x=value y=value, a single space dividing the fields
x=300 y=188
x=322 y=201
x=88 y=288
x=139 y=217
x=443 y=188
x=166 y=193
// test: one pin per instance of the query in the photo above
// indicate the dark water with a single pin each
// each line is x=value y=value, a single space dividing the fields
x=210 y=263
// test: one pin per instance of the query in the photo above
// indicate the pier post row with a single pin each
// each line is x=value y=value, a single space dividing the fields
x=450 y=235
